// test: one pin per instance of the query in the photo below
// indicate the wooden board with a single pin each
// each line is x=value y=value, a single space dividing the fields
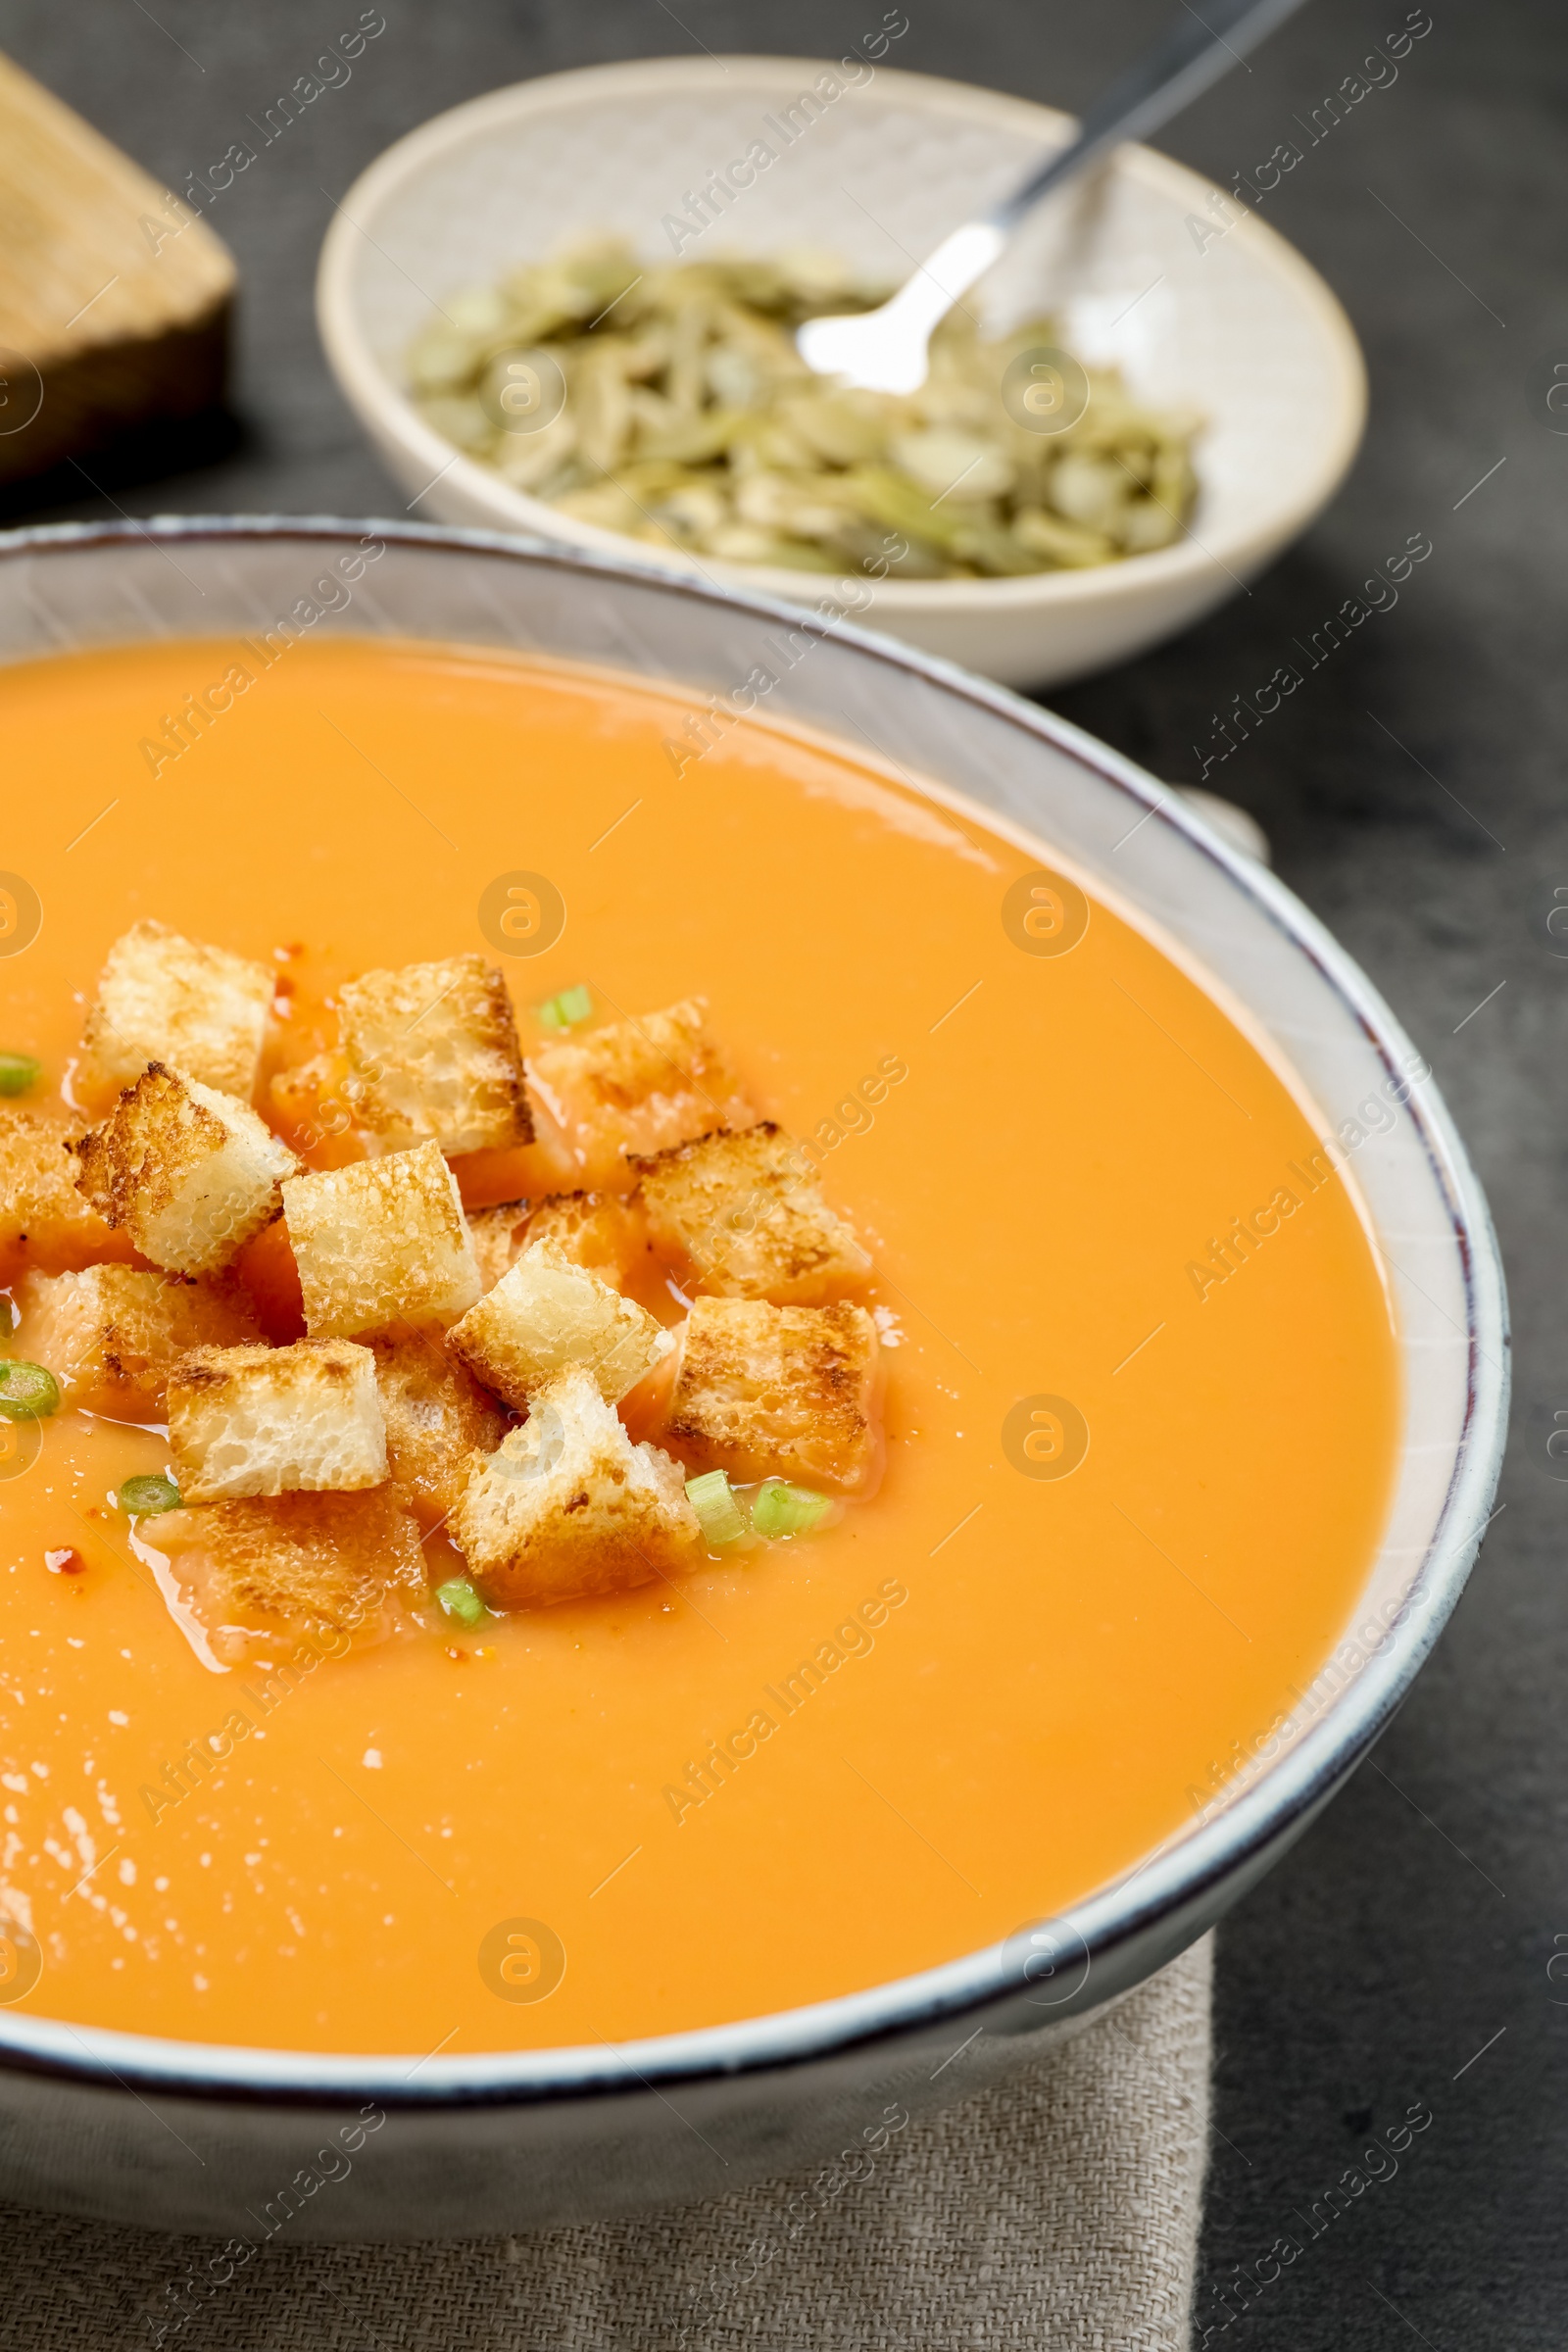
x=114 y=298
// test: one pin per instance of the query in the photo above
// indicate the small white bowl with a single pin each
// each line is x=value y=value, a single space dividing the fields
x=1233 y=324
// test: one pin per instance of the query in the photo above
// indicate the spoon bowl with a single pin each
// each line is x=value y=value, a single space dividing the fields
x=885 y=350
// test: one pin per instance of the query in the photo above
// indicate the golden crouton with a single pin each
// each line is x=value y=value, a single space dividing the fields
x=380 y=1242
x=275 y=1420
x=604 y=1231
x=434 y=1058
x=570 y=1507
x=187 y=1173
x=746 y=1215
x=111 y=1335
x=545 y=1313
x=789 y=1390
x=496 y=1236
x=637 y=1086
x=165 y=998
x=437 y=1418
x=41 y=1207
x=264 y=1572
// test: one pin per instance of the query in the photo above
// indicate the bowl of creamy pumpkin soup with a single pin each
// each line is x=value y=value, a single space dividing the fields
x=728 y=1377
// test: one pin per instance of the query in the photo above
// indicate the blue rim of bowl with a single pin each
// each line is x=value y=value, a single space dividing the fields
x=1177 y=1877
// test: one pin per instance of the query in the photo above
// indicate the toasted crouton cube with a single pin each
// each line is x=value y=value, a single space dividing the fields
x=545 y=1313
x=434 y=1056
x=41 y=1207
x=380 y=1242
x=269 y=1569
x=305 y=1419
x=570 y=1507
x=437 y=1418
x=637 y=1086
x=497 y=1237
x=187 y=1173
x=746 y=1215
x=111 y=1335
x=165 y=998
x=603 y=1231
x=790 y=1390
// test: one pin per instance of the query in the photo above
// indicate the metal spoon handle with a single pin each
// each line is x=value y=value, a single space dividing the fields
x=886 y=348
x=1193 y=52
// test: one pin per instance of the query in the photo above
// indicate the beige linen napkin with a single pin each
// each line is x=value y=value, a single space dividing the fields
x=1057 y=2211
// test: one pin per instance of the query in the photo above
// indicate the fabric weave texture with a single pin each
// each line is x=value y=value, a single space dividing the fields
x=1057 y=2209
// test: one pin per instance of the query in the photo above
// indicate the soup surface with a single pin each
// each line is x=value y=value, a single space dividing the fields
x=985 y=1690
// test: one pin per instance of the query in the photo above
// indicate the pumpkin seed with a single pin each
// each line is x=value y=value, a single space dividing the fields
x=691 y=420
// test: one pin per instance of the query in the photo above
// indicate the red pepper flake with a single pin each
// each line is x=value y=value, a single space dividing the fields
x=67 y=1561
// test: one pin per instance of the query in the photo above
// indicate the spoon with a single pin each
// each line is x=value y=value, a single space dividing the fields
x=885 y=350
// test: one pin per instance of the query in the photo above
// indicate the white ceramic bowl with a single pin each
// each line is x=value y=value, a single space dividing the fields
x=1237 y=324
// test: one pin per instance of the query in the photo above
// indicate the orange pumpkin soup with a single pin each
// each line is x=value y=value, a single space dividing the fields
x=1138 y=1388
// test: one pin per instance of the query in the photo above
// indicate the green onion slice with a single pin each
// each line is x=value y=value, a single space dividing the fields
x=19 y=1071
x=715 y=1506
x=28 y=1393
x=460 y=1602
x=145 y=1498
x=781 y=1510
x=563 y=1011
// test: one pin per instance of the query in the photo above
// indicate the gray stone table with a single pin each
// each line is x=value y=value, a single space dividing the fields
x=1413 y=1927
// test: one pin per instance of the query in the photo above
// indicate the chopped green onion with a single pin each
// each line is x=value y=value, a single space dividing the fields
x=572 y=1006
x=19 y=1071
x=715 y=1506
x=781 y=1510
x=460 y=1602
x=28 y=1393
x=145 y=1498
